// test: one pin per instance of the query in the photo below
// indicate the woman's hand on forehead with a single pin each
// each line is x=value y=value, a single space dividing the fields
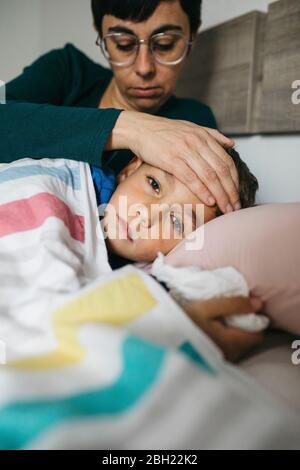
x=195 y=155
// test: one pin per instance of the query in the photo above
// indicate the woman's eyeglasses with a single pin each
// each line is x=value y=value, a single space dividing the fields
x=121 y=49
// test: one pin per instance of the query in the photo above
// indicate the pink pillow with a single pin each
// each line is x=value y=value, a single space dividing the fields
x=263 y=243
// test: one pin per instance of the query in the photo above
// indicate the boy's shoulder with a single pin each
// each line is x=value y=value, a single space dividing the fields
x=104 y=183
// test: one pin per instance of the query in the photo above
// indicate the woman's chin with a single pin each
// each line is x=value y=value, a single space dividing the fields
x=146 y=105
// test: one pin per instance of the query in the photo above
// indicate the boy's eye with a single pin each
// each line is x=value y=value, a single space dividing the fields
x=178 y=226
x=154 y=184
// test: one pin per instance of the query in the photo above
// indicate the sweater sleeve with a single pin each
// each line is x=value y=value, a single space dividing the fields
x=35 y=123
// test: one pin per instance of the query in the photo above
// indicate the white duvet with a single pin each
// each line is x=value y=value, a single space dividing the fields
x=100 y=359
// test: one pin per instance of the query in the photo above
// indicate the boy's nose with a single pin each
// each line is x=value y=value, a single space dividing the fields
x=145 y=218
x=142 y=217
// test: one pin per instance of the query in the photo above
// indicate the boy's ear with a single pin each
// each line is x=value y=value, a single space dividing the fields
x=132 y=166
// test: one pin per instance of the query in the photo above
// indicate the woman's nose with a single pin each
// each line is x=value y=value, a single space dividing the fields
x=144 y=64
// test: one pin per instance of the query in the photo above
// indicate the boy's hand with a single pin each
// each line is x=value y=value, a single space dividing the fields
x=209 y=315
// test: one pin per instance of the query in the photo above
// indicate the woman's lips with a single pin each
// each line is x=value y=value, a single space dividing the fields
x=146 y=92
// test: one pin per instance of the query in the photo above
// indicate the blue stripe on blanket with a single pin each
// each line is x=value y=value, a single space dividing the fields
x=188 y=349
x=22 y=422
x=69 y=175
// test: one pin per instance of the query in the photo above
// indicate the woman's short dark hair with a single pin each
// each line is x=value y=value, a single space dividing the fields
x=141 y=10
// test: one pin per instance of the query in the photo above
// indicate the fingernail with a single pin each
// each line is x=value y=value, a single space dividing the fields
x=211 y=201
x=237 y=206
x=229 y=208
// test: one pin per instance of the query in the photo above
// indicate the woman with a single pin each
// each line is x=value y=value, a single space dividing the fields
x=64 y=105
x=52 y=110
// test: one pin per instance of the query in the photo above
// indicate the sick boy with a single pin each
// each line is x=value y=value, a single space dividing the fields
x=140 y=231
x=129 y=236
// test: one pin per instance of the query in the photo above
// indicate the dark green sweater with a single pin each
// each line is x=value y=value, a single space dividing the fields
x=52 y=112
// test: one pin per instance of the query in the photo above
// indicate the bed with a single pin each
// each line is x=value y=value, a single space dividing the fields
x=272 y=367
x=271 y=364
x=102 y=359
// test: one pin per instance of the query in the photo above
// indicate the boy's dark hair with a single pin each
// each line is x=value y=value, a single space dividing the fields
x=141 y=10
x=248 y=184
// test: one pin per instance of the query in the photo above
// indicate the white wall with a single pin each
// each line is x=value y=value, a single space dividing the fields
x=218 y=11
x=275 y=160
x=73 y=23
x=31 y=27
x=20 y=31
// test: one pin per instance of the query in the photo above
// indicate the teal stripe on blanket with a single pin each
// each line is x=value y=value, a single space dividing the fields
x=68 y=175
x=189 y=350
x=21 y=422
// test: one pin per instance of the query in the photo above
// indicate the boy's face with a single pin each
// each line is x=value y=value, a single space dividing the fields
x=150 y=211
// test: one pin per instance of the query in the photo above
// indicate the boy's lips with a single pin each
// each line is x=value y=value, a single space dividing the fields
x=125 y=228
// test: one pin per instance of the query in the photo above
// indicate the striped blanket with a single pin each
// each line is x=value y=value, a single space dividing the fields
x=105 y=360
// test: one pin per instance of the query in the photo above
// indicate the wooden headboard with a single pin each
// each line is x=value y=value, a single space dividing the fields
x=248 y=71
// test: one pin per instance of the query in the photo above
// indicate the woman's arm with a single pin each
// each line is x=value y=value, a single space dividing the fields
x=36 y=131
x=35 y=123
x=37 y=120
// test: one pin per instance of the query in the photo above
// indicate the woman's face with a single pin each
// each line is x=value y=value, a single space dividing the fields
x=145 y=73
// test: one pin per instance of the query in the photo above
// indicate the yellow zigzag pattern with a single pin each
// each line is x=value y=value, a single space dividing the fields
x=117 y=303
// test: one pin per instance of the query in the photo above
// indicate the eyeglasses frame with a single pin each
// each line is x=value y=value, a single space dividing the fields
x=101 y=43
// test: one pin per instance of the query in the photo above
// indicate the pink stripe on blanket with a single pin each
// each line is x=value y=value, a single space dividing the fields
x=28 y=214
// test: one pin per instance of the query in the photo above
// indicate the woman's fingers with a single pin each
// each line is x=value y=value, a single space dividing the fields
x=222 y=139
x=217 y=177
x=227 y=160
x=189 y=178
x=214 y=167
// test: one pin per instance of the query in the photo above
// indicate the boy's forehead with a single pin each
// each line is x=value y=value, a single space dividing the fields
x=177 y=191
x=180 y=190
